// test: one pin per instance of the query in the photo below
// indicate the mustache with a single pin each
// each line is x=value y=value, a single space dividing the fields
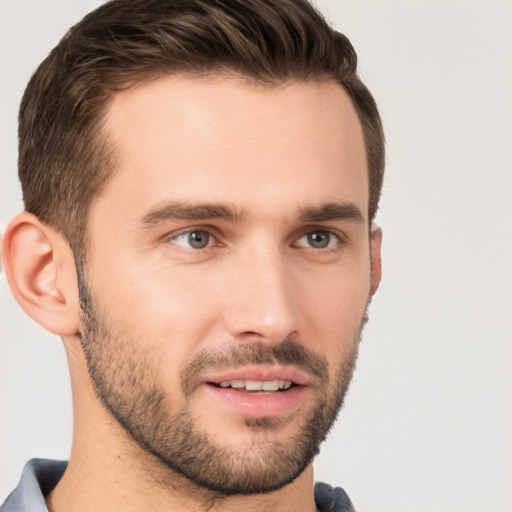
x=288 y=352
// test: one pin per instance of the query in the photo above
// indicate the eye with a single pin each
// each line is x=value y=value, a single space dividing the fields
x=318 y=240
x=195 y=239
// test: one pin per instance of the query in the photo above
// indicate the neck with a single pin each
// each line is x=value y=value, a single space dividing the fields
x=107 y=470
x=101 y=488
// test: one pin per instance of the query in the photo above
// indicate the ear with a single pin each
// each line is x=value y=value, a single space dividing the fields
x=41 y=272
x=376 y=260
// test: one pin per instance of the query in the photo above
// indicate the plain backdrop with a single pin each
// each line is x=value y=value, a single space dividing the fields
x=427 y=425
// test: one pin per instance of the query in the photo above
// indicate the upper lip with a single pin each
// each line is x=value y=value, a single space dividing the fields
x=260 y=373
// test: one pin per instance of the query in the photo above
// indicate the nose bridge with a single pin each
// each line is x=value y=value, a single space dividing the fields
x=261 y=296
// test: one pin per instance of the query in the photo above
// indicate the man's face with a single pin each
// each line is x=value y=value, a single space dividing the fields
x=228 y=274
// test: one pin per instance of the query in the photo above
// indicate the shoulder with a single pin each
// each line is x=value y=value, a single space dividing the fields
x=332 y=499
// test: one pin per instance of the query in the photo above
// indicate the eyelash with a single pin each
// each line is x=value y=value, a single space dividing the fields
x=189 y=232
x=339 y=238
x=324 y=232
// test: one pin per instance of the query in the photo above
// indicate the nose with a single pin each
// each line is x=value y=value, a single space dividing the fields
x=262 y=303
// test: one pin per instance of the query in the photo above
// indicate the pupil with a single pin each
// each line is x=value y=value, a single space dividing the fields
x=198 y=239
x=319 y=240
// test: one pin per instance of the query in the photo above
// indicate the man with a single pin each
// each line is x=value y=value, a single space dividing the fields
x=200 y=181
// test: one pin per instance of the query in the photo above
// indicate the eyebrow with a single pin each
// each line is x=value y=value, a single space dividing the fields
x=176 y=210
x=332 y=211
x=189 y=211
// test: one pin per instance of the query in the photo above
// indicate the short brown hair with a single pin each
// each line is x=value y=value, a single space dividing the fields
x=64 y=155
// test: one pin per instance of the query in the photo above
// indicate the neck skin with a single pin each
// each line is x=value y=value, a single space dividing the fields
x=107 y=470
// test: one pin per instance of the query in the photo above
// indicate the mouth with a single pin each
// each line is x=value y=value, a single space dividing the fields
x=259 y=391
x=255 y=386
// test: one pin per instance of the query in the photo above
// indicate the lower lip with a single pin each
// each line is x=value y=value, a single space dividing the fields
x=259 y=405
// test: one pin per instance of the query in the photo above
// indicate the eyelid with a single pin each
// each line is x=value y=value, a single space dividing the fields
x=336 y=233
x=340 y=236
x=169 y=237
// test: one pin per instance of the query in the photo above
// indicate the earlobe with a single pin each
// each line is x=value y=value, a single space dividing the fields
x=376 y=259
x=41 y=272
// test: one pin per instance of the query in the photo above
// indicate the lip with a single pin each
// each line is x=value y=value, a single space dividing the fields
x=259 y=404
x=273 y=372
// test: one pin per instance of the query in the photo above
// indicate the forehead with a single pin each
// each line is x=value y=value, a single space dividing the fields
x=227 y=140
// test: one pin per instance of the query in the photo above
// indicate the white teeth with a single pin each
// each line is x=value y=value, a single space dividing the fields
x=253 y=385
x=270 y=385
x=257 y=385
x=284 y=384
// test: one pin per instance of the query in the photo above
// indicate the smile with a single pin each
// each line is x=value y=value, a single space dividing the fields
x=259 y=391
x=256 y=385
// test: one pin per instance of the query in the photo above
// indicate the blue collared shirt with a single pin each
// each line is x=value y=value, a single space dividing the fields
x=40 y=476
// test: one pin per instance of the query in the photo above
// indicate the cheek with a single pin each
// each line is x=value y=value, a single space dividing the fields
x=167 y=311
x=337 y=307
x=344 y=281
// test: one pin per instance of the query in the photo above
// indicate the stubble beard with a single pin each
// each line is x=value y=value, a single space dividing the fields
x=124 y=377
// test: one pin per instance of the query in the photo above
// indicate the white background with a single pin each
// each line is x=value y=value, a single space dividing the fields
x=428 y=423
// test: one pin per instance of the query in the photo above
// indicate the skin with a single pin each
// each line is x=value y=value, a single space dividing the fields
x=269 y=154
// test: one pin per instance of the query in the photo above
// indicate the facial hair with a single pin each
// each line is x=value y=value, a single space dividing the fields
x=125 y=378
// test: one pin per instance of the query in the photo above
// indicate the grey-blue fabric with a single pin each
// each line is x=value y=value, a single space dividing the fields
x=40 y=476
